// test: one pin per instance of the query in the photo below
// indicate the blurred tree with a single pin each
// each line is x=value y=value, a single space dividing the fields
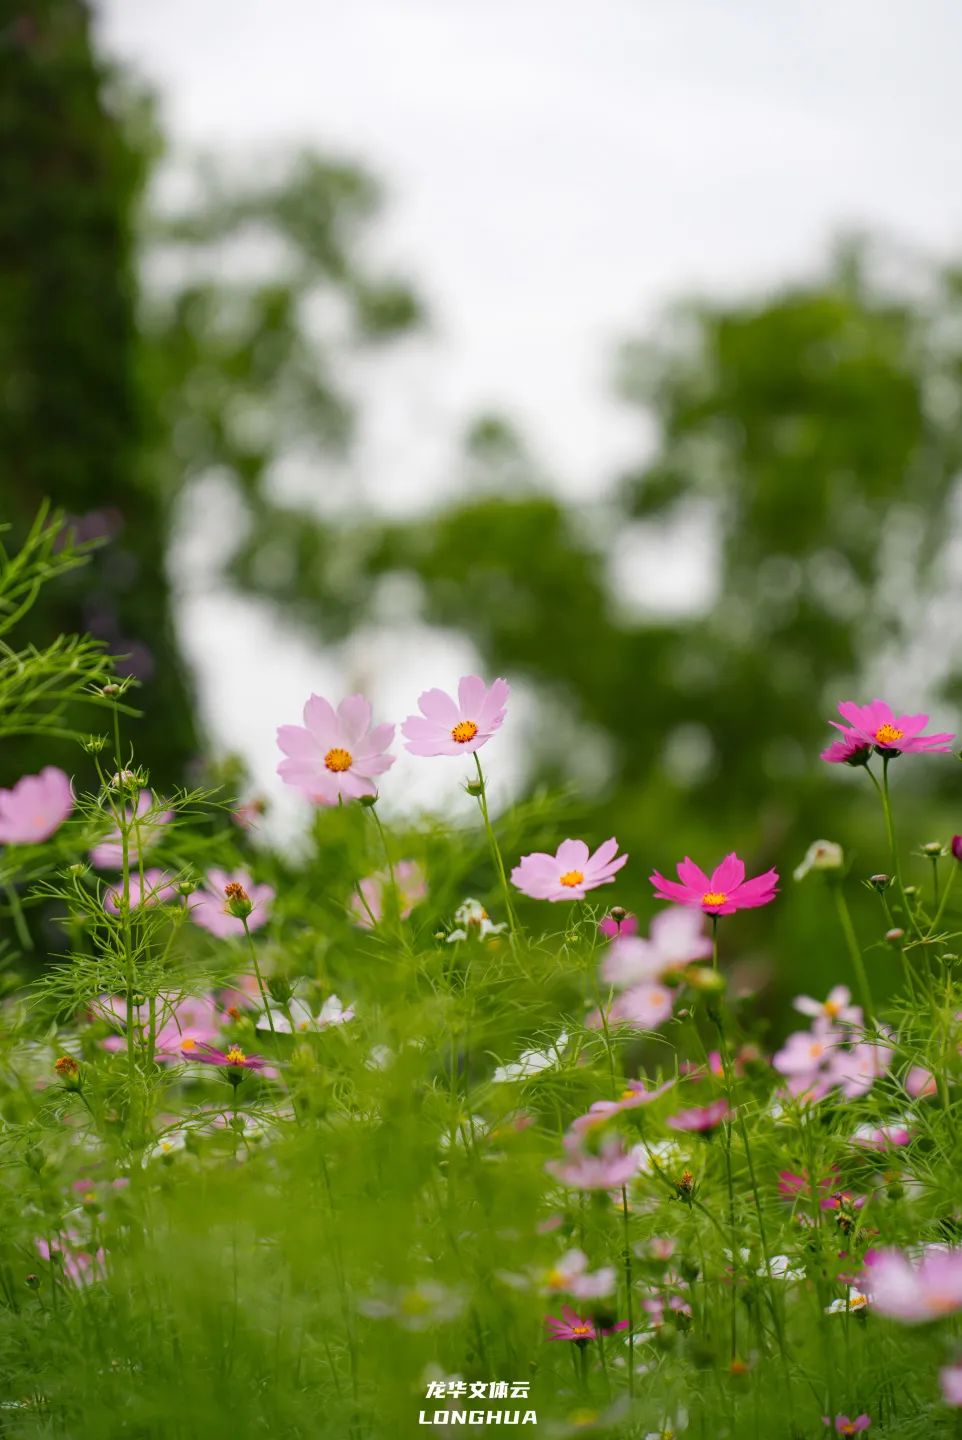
x=114 y=398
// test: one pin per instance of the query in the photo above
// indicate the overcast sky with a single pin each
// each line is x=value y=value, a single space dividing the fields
x=557 y=171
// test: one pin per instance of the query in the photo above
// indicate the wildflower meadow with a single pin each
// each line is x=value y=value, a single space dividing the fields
x=441 y=1126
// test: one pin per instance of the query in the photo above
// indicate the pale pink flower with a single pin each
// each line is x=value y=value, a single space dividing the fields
x=914 y=1290
x=836 y=1009
x=158 y=887
x=843 y=1425
x=721 y=893
x=411 y=890
x=882 y=1137
x=644 y=1006
x=805 y=1058
x=570 y=873
x=177 y=1018
x=855 y=1071
x=335 y=753
x=608 y=1169
x=950 y=1379
x=919 y=1082
x=634 y=1095
x=676 y=938
x=81 y=1265
x=877 y=725
x=571 y=1274
x=208 y=905
x=35 y=807
x=454 y=727
x=144 y=821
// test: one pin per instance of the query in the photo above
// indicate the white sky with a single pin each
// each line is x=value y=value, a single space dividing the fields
x=558 y=170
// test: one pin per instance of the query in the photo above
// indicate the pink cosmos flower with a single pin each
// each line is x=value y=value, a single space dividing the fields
x=146 y=820
x=914 y=1291
x=335 y=753
x=608 y=1169
x=919 y=1082
x=35 y=807
x=882 y=1137
x=570 y=873
x=208 y=905
x=876 y=725
x=676 y=938
x=950 y=1379
x=192 y=1017
x=634 y=1095
x=845 y=1426
x=233 y=1058
x=855 y=1071
x=701 y=1118
x=723 y=892
x=578 y=1328
x=618 y=924
x=80 y=1265
x=956 y=847
x=411 y=890
x=835 y=1009
x=453 y=727
x=644 y=1006
x=805 y=1058
x=572 y=1275
x=158 y=888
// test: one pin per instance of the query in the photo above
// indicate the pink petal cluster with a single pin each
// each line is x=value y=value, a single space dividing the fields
x=35 y=807
x=676 y=938
x=190 y=1017
x=607 y=1168
x=158 y=887
x=570 y=873
x=836 y=1007
x=578 y=1328
x=233 y=1058
x=411 y=890
x=635 y=1094
x=208 y=905
x=454 y=727
x=845 y=1426
x=702 y=1119
x=618 y=924
x=721 y=893
x=335 y=753
x=950 y=1379
x=833 y=1055
x=145 y=819
x=572 y=1275
x=81 y=1265
x=914 y=1290
x=876 y=726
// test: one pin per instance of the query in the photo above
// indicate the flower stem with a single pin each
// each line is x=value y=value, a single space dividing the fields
x=854 y=949
x=628 y=1294
x=260 y=979
x=495 y=849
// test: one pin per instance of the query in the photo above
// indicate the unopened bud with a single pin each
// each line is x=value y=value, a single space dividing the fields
x=110 y=690
x=821 y=855
x=956 y=847
x=911 y=891
x=474 y=787
x=32 y=1281
x=239 y=903
x=880 y=882
x=894 y=937
x=94 y=744
x=706 y=980
x=77 y=868
x=368 y=801
x=69 y=1071
x=933 y=848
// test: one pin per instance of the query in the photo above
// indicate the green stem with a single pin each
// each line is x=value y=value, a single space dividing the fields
x=628 y=1294
x=260 y=979
x=19 y=922
x=495 y=849
x=854 y=950
x=942 y=903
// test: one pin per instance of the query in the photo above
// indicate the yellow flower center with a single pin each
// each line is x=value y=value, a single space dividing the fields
x=338 y=759
x=831 y=1008
x=581 y=1329
x=187 y=1043
x=571 y=878
x=887 y=735
x=627 y=1095
x=235 y=1056
x=464 y=731
x=714 y=897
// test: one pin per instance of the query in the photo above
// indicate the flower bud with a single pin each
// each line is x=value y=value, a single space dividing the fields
x=78 y=868
x=956 y=847
x=32 y=1281
x=894 y=937
x=94 y=744
x=474 y=787
x=933 y=848
x=880 y=882
x=69 y=1071
x=821 y=855
x=706 y=980
x=368 y=801
x=185 y=887
x=110 y=690
x=239 y=903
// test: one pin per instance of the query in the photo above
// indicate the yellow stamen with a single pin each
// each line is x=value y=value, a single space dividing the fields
x=581 y=1329
x=338 y=759
x=464 y=731
x=571 y=878
x=235 y=1056
x=714 y=897
x=187 y=1043
x=887 y=735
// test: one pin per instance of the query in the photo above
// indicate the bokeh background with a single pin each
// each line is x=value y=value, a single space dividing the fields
x=617 y=349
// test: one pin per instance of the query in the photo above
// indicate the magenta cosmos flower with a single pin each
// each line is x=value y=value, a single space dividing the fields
x=570 y=873
x=35 y=807
x=578 y=1328
x=846 y=1426
x=721 y=893
x=335 y=752
x=208 y=905
x=877 y=726
x=447 y=726
x=233 y=1058
x=914 y=1291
